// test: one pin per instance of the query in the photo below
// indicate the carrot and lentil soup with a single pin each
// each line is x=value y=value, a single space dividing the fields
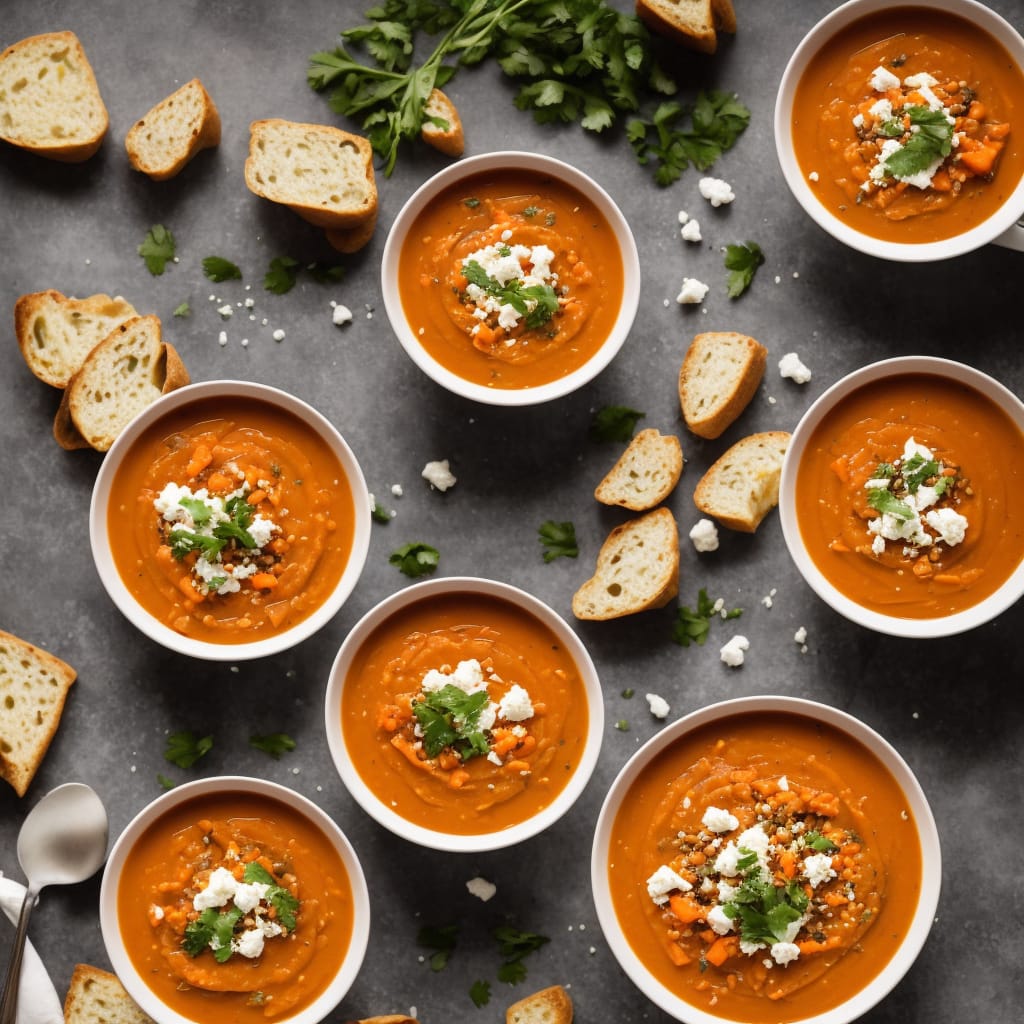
x=752 y=855
x=235 y=908
x=511 y=279
x=910 y=496
x=464 y=714
x=909 y=125
x=230 y=520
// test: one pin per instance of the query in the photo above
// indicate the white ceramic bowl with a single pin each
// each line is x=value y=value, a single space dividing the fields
x=122 y=964
x=100 y=539
x=984 y=610
x=1001 y=227
x=511 y=160
x=903 y=956
x=381 y=811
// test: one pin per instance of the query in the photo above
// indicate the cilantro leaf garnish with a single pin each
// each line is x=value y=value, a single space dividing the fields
x=542 y=296
x=379 y=514
x=480 y=993
x=324 y=274
x=281 y=275
x=765 y=910
x=932 y=141
x=742 y=262
x=218 y=269
x=275 y=744
x=183 y=541
x=818 y=842
x=884 y=471
x=285 y=903
x=183 y=309
x=693 y=626
x=157 y=248
x=442 y=940
x=216 y=582
x=416 y=559
x=450 y=717
x=917 y=469
x=197 y=509
x=614 y=423
x=514 y=945
x=165 y=782
x=211 y=926
x=886 y=502
x=185 y=748
x=559 y=539
x=236 y=528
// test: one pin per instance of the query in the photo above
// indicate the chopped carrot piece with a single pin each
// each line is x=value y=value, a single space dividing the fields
x=201 y=458
x=686 y=908
x=263 y=580
x=721 y=949
x=677 y=955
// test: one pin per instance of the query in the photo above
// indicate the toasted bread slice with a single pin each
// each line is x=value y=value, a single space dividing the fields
x=637 y=569
x=322 y=173
x=179 y=126
x=33 y=687
x=98 y=997
x=350 y=240
x=50 y=103
x=548 y=1006
x=444 y=129
x=720 y=374
x=56 y=333
x=645 y=474
x=126 y=372
x=692 y=23
x=742 y=487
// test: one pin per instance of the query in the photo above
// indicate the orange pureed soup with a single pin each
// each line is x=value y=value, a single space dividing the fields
x=235 y=908
x=230 y=520
x=909 y=125
x=464 y=714
x=501 y=240
x=753 y=855
x=910 y=496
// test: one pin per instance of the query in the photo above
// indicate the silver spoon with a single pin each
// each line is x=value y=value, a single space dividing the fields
x=63 y=840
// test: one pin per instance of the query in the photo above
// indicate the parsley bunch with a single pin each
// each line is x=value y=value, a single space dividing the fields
x=537 y=304
x=450 y=717
x=765 y=910
x=931 y=139
x=235 y=528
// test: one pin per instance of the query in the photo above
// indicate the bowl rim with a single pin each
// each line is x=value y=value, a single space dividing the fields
x=432 y=838
x=819 y=36
x=110 y=929
x=931 y=881
x=977 y=614
x=515 y=160
x=148 y=624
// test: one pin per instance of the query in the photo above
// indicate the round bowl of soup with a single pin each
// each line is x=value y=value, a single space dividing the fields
x=236 y=899
x=902 y=497
x=766 y=859
x=900 y=128
x=229 y=520
x=511 y=278
x=464 y=715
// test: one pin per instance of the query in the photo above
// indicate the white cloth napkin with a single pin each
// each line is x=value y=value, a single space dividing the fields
x=37 y=1000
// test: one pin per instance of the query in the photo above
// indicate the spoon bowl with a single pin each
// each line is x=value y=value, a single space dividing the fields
x=62 y=841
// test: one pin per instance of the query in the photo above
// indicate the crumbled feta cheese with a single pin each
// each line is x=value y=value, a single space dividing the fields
x=800 y=636
x=785 y=952
x=691 y=231
x=719 y=922
x=341 y=315
x=732 y=652
x=225 y=311
x=882 y=80
x=922 y=80
x=658 y=705
x=716 y=191
x=438 y=475
x=278 y=335
x=727 y=862
x=248 y=895
x=791 y=366
x=719 y=820
x=481 y=888
x=818 y=868
x=663 y=882
x=881 y=110
x=156 y=912
x=948 y=524
x=692 y=291
x=249 y=944
x=468 y=677
x=878 y=545
x=813 y=177
x=516 y=705
x=222 y=338
x=704 y=535
x=220 y=887
x=683 y=217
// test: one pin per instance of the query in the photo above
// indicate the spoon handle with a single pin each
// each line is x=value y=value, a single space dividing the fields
x=9 y=1001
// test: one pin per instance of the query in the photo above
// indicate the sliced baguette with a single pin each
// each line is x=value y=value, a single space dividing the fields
x=637 y=569
x=50 y=103
x=322 y=173
x=742 y=487
x=98 y=997
x=548 y=1006
x=444 y=129
x=121 y=376
x=720 y=374
x=171 y=133
x=350 y=240
x=692 y=23
x=645 y=474
x=56 y=333
x=33 y=687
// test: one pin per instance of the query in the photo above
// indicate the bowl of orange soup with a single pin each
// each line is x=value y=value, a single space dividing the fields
x=463 y=714
x=766 y=860
x=234 y=899
x=230 y=520
x=511 y=278
x=902 y=497
x=900 y=128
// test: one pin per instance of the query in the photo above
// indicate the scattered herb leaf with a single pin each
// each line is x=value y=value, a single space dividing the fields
x=416 y=559
x=742 y=262
x=379 y=514
x=281 y=275
x=284 y=902
x=183 y=310
x=185 y=748
x=628 y=692
x=442 y=940
x=275 y=744
x=480 y=993
x=693 y=626
x=210 y=926
x=218 y=269
x=157 y=248
x=326 y=274
x=514 y=945
x=450 y=718
x=622 y=725
x=614 y=423
x=931 y=141
x=165 y=782
x=559 y=539
x=886 y=502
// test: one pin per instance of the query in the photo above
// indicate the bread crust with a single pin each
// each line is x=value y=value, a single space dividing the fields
x=548 y=1006
x=350 y=240
x=68 y=150
x=205 y=135
x=645 y=474
x=747 y=360
x=694 y=24
x=742 y=486
x=97 y=997
x=451 y=140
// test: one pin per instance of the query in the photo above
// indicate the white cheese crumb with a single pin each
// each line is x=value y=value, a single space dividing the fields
x=516 y=705
x=692 y=291
x=922 y=80
x=800 y=636
x=784 y=952
x=691 y=231
x=718 y=820
x=225 y=311
x=732 y=652
x=948 y=524
x=716 y=191
x=704 y=535
x=278 y=335
x=683 y=217
x=222 y=338
x=481 y=888
x=341 y=315
x=396 y=490
x=818 y=868
x=882 y=79
x=220 y=887
x=791 y=366
x=438 y=475
x=718 y=921
x=663 y=881
x=658 y=705
x=813 y=175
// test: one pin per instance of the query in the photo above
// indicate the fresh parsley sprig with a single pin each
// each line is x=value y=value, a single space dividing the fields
x=185 y=748
x=931 y=139
x=157 y=249
x=742 y=262
x=693 y=626
x=559 y=539
x=415 y=559
x=614 y=423
x=450 y=718
x=275 y=744
x=441 y=939
x=514 y=945
x=537 y=304
x=218 y=269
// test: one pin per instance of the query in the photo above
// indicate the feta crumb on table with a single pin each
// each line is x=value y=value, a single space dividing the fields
x=438 y=475
x=716 y=191
x=791 y=366
x=692 y=291
x=658 y=705
x=732 y=652
x=481 y=888
x=704 y=535
x=340 y=314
